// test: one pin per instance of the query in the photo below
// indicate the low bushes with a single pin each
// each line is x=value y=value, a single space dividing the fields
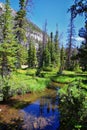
x=73 y=106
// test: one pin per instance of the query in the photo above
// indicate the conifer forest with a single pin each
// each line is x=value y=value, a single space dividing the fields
x=43 y=81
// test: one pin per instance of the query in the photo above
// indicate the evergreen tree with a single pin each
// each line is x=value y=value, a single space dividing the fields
x=62 y=62
x=42 y=46
x=51 y=37
x=82 y=56
x=20 y=30
x=57 y=49
x=47 y=57
x=52 y=52
x=22 y=55
x=71 y=42
x=32 y=59
x=9 y=45
x=39 y=55
x=1 y=26
x=20 y=23
x=82 y=51
x=52 y=49
x=75 y=60
x=80 y=7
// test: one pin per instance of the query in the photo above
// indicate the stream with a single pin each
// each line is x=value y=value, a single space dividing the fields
x=43 y=114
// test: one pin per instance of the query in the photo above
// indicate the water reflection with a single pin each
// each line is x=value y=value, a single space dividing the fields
x=42 y=114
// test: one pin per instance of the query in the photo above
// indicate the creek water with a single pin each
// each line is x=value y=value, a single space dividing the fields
x=43 y=114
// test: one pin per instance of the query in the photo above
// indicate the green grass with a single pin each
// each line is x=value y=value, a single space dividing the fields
x=68 y=77
x=24 y=81
x=68 y=72
x=27 y=83
x=63 y=79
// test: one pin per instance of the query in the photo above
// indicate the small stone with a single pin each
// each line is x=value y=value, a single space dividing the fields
x=35 y=125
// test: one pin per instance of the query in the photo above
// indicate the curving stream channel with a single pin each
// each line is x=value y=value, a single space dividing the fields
x=43 y=114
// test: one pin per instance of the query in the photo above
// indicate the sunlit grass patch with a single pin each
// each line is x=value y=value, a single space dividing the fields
x=31 y=72
x=21 y=71
x=63 y=79
x=69 y=72
x=24 y=81
x=68 y=77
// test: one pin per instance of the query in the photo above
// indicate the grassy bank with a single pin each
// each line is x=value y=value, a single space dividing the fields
x=25 y=81
x=68 y=77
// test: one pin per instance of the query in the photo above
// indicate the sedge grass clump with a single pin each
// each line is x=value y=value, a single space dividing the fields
x=63 y=79
x=21 y=83
x=25 y=81
x=67 y=77
x=47 y=69
x=31 y=72
x=39 y=85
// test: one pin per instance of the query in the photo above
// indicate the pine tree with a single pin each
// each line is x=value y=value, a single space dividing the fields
x=82 y=56
x=20 y=23
x=80 y=7
x=9 y=45
x=62 y=62
x=52 y=49
x=75 y=60
x=71 y=42
x=47 y=57
x=1 y=26
x=42 y=46
x=32 y=59
x=39 y=55
x=82 y=50
x=20 y=30
x=57 y=49
x=22 y=56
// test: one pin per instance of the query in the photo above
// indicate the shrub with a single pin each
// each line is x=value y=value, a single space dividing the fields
x=73 y=106
x=5 y=88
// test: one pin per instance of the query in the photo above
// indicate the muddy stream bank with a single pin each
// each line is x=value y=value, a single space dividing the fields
x=33 y=111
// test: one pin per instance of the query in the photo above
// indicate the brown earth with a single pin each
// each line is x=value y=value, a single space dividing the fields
x=9 y=111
